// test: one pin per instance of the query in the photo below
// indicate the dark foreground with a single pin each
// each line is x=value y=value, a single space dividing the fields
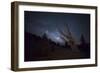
x=38 y=49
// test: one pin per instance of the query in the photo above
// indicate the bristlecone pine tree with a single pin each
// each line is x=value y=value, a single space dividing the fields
x=67 y=36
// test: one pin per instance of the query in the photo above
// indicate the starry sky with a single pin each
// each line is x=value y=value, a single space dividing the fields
x=50 y=23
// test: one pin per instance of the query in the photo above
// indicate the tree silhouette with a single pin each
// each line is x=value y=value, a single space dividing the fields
x=44 y=36
x=82 y=39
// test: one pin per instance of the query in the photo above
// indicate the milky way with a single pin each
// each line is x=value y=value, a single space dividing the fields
x=39 y=23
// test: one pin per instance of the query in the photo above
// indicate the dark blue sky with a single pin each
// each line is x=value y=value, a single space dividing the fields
x=39 y=23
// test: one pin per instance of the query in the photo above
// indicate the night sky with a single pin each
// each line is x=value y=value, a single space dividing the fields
x=50 y=23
